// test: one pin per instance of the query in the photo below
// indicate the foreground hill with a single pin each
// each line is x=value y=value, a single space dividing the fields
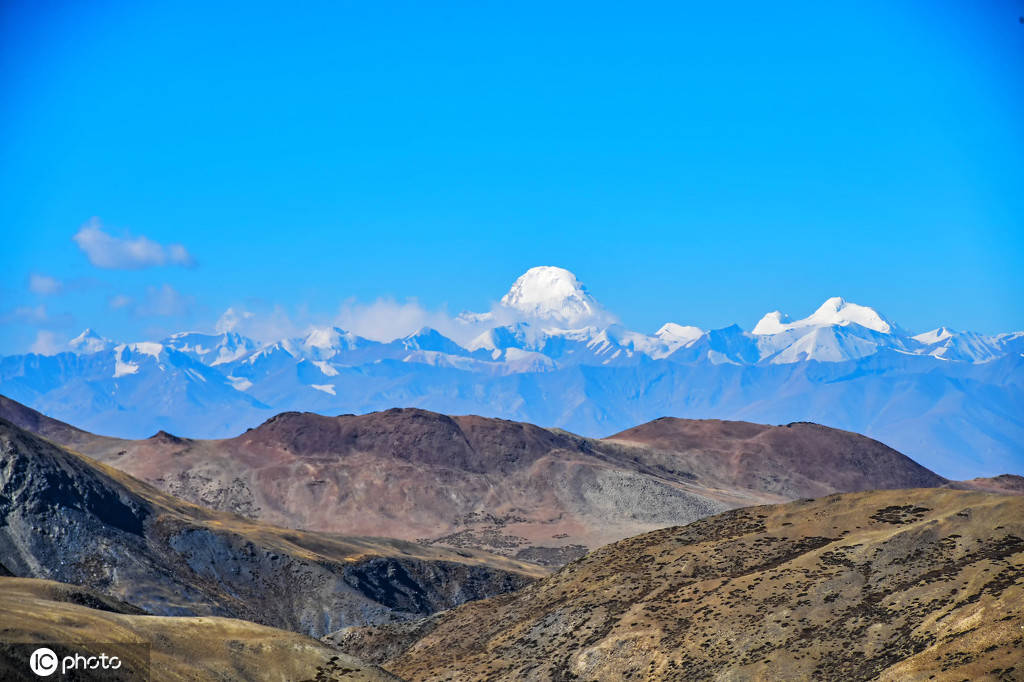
x=537 y=494
x=895 y=585
x=42 y=611
x=65 y=517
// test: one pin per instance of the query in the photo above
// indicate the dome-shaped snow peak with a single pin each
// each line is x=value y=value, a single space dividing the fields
x=836 y=311
x=554 y=294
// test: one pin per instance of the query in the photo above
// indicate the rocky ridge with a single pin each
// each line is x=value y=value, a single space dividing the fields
x=67 y=518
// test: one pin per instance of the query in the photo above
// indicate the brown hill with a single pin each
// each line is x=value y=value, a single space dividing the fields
x=86 y=622
x=1007 y=484
x=50 y=428
x=65 y=517
x=893 y=585
x=795 y=460
x=538 y=494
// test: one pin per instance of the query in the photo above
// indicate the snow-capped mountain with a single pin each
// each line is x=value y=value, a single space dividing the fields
x=211 y=349
x=835 y=312
x=553 y=295
x=549 y=353
x=89 y=342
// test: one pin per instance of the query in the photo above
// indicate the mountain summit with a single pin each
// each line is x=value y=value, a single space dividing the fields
x=89 y=342
x=833 y=312
x=553 y=294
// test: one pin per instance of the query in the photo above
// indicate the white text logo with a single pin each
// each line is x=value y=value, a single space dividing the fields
x=43 y=662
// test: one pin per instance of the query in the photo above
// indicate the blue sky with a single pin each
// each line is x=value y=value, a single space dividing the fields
x=697 y=164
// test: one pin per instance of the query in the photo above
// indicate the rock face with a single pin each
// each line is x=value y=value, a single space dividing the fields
x=64 y=517
x=89 y=623
x=540 y=495
x=892 y=585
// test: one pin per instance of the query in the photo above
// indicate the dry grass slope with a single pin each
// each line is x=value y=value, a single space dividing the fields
x=897 y=585
x=200 y=648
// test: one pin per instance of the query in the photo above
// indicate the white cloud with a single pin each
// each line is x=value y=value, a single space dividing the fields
x=121 y=301
x=386 y=319
x=127 y=253
x=161 y=301
x=46 y=343
x=267 y=326
x=382 y=320
x=36 y=316
x=44 y=284
x=28 y=314
x=231 y=319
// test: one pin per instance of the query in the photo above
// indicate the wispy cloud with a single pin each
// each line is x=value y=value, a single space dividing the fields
x=46 y=343
x=161 y=301
x=382 y=320
x=120 y=301
x=232 y=319
x=36 y=316
x=386 y=319
x=265 y=325
x=27 y=314
x=127 y=253
x=44 y=284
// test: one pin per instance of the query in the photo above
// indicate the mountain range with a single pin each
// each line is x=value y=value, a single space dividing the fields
x=550 y=354
x=532 y=494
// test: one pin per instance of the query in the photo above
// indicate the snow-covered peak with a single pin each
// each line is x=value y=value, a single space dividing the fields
x=429 y=339
x=211 y=349
x=935 y=336
x=89 y=342
x=678 y=334
x=774 y=322
x=150 y=348
x=323 y=343
x=553 y=294
x=833 y=312
x=836 y=311
x=324 y=338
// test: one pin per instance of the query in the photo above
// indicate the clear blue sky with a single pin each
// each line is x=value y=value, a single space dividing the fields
x=694 y=163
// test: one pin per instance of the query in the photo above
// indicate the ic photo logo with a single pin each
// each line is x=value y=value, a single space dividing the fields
x=44 y=662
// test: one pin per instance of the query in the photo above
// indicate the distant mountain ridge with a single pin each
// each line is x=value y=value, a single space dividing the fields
x=550 y=354
x=538 y=495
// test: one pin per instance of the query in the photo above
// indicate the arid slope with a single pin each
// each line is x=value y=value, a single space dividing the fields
x=898 y=585
x=42 y=611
